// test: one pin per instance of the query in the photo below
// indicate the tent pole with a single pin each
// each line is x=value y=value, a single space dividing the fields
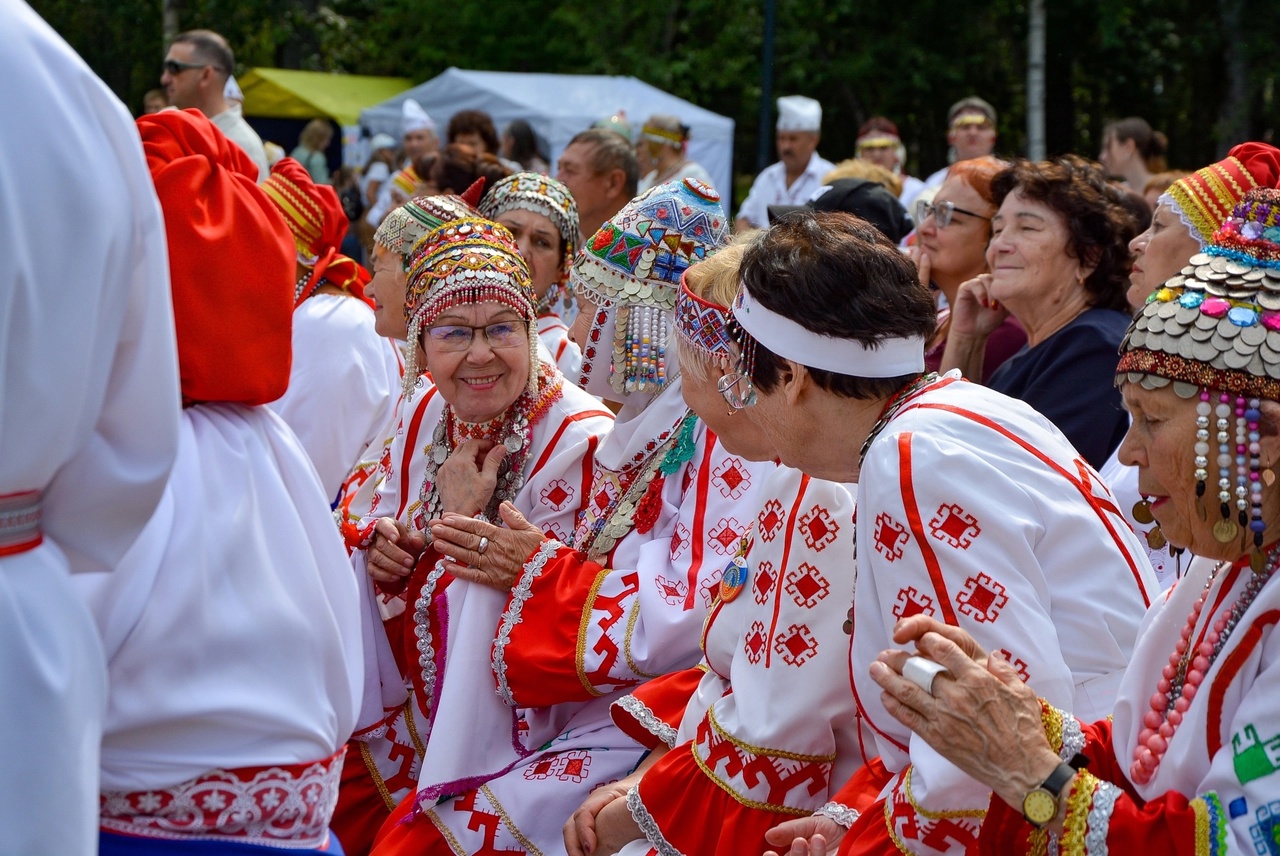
x=764 y=155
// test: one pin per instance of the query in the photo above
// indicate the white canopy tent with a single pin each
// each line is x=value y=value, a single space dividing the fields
x=559 y=106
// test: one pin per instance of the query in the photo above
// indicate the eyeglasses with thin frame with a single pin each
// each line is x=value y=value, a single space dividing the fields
x=737 y=389
x=942 y=213
x=176 y=67
x=500 y=335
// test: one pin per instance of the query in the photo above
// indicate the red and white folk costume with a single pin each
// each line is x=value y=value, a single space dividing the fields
x=623 y=604
x=231 y=627
x=771 y=730
x=344 y=376
x=543 y=195
x=1190 y=763
x=88 y=415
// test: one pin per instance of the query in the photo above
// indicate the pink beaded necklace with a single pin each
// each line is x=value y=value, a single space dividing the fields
x=1188 y=664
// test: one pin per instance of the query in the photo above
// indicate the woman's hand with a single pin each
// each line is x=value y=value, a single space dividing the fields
x=394 y=552
x=976 y=313
x=467 y=480
x=580 y=837
x=506 y=550
x=981 y=717
x=615 y=828
x=815 y=835
x=924 y=265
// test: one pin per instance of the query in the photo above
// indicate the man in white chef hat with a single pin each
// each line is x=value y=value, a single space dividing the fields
x=420 y=138
x=799 y=170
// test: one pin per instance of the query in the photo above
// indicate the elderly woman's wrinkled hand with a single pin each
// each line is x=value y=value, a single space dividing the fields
x=483 y=553
x=467 y=480
x=394 y=551
x=976 y=313
x=980 y=716
x=815 y=835
x=580 y=830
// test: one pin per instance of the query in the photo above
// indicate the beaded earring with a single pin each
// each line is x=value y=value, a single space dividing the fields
x=1203 y=409
x=1252 y=421
x=1225 y=530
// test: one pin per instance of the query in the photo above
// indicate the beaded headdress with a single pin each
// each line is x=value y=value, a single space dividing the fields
x=702 y=325
x=540 y=194
x=631 y=268
x=465 y=262
x=1213 y=332
x=405 y=226
x=1205 y=198
x=316 y=222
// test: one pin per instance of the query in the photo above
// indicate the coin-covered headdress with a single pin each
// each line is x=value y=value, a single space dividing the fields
x=630 y=269
x=1212 y=332
x=543 y=195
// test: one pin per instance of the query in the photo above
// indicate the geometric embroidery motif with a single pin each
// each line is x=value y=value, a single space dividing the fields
x=982 y=598
x=818 y=528
x=755 y=642
x=1254 y=758
x=731 y=478
x=1019 y=664
x=911 y=602
x=807 y=586
x=672 y=591
x=890 y=537
x=1266 y=832
x=762 y=587
x=796 y=645
x=725 y=536
x=569 y=766
x=679 y=540
x=770 y=520
x=954 y=525
x=557 y=495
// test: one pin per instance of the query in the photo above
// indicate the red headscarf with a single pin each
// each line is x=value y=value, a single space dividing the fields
x=231 y=262
x=318 y=223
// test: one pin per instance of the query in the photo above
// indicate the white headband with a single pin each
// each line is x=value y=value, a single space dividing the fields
x=787 y=339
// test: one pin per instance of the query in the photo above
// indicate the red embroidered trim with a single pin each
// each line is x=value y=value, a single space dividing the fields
x=20 y=522
x=264 y=805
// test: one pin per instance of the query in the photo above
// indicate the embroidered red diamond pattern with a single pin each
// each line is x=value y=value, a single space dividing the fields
x=725 y=536
x=770 y=520
x=1019 y=664
x=731 y=478
x=557 y=495
x=911 y=602
x=982 y=598
x=690 y=473
x=672 y=591
x=605 y=495
x=818 y=528
x=709 y=588
x=796 y=645
x=955 y=526
x=890 y=537
x=755 y=643
x=762 y=585
x=541 y=770
x=679 y=540
x=807 y=586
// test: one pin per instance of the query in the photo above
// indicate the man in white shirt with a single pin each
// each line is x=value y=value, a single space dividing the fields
x=420 y=139
x=799 y=170
x=971 y=133
x=196 y=70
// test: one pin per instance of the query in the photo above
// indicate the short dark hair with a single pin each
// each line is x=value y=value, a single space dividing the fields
x=458 y=165
x=836 y=275
x=473 y=122
x=1099 y=226
x=610 y=151
x=210 y=47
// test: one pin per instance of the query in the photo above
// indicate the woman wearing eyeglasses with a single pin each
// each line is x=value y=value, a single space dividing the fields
x=1059 y=262
x=952 y=233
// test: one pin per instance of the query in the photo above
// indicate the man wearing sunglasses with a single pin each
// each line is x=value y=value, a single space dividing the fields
x=194 y=75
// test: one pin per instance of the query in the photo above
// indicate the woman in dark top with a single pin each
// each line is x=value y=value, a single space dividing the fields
x=1059 y=263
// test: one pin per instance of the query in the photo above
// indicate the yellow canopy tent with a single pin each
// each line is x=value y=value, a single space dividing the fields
x=283 y=93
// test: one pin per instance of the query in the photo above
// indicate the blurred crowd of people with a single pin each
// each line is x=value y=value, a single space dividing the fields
x=450 y=507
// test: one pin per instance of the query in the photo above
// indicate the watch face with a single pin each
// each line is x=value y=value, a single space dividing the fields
x=1039 y=807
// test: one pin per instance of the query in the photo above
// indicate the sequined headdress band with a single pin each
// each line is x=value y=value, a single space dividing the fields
x=702 y=325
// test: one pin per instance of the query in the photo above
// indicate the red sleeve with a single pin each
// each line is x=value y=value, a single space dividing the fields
x=651 y=713
x=542 y=657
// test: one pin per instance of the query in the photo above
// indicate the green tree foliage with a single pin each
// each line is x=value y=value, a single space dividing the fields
x=1171 y=61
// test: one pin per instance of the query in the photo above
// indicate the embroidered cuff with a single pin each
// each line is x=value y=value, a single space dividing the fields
x=648 y=825
x=647 y=719
x=514 y=613
x=1089 y=807
x=1063 y=731
x=840 y=813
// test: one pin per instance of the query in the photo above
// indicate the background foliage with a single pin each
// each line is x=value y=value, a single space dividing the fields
x=1203 y=72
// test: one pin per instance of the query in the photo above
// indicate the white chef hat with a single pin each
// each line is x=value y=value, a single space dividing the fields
x=799 y=113
x=414 y=118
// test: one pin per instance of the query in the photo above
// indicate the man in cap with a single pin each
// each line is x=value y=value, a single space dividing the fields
x=971 y=133
x=197 y=72
x=799 y=169
x=879 y=142
x=419 y=138
x=666 y=141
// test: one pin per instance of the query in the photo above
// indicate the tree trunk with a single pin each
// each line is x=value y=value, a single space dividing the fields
x=172 y=8
x=1035 y=80
x=1233 y=116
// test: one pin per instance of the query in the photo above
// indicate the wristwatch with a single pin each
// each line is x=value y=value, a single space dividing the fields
x=1040 y=806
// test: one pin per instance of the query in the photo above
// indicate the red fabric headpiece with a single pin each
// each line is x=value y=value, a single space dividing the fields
x=231 y=262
